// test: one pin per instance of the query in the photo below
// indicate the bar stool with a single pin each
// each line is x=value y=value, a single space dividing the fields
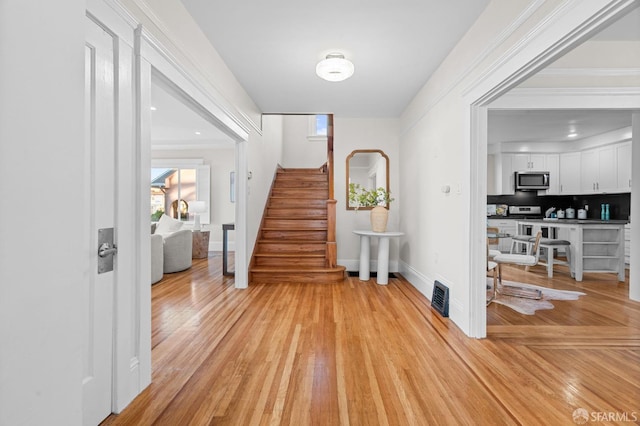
x=550 y=245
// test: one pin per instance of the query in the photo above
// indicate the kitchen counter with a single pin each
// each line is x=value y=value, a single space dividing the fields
x=582 y=221
x=596 y=245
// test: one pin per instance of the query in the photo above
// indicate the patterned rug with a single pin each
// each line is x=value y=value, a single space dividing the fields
x=530 y=306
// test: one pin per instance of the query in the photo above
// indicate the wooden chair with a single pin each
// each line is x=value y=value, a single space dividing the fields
x=493 y=268
x=526 y=260
x=492 y=242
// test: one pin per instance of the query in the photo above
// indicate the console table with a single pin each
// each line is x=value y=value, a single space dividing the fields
x=383 y=254
x=226 y=227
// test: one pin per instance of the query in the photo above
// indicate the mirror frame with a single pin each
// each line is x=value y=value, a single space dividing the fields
x=349 y=157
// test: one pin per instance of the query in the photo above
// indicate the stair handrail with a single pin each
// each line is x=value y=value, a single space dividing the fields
x=331 y=252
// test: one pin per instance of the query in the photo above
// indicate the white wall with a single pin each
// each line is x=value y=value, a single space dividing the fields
x=41 y=152
x=264 y=158
x=364 y=133
x=298 y=151
x=434 y=152
x=222 y=163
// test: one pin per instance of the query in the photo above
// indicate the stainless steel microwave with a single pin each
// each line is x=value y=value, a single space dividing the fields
x=532 y=181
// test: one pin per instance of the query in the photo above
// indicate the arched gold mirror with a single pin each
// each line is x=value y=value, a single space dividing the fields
x=367 y=169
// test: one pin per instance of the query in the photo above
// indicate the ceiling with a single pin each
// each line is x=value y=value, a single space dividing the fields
x=527 y=126
x=395 y=47
x=272 y=48
x=174 y=125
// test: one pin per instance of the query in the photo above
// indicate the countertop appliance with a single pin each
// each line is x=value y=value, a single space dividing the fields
x=531 y=181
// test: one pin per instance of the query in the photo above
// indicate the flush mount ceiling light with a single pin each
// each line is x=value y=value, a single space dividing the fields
x=335 y=68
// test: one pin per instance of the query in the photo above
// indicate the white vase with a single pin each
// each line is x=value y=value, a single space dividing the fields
x=379 y=217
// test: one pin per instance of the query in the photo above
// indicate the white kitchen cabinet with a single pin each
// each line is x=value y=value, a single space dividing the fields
x=552 y=162
x=504 y=225
x=598 y=170
x=623 y=154
x=570 y=173
x=529 y=162
x=501 y=180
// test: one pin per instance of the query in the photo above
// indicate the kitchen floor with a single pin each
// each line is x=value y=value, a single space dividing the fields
x=606 y=302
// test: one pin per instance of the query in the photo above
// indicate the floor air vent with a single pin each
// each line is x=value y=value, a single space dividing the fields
x=440 y=298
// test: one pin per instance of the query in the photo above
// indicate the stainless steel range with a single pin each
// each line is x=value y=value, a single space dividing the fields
x=526 y=212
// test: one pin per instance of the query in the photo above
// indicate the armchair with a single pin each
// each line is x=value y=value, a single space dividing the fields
x=176 y=244
x=177 y=251
x=157 y=258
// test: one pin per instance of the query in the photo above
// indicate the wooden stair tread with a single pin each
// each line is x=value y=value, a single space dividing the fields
x=288 y=255
x=292 y=240
x=300 y=218
x=294 y=230
x=293 y=269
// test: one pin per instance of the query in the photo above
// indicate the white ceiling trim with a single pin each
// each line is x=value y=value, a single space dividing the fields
x=591 y=72
x=570 y=98
x=193 y=144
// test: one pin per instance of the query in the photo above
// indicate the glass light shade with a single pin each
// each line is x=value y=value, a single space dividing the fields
x=335 y=68
x=197 y=207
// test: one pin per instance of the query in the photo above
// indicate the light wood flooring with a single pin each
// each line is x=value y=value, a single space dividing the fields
x=362 y=354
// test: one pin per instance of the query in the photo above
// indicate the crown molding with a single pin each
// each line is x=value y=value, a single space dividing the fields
x=569 y=98
x=590 y=72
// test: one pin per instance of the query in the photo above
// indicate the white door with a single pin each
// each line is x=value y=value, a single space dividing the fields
x=98 y=209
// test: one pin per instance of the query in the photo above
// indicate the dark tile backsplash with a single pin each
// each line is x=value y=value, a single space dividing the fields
x=619 y=204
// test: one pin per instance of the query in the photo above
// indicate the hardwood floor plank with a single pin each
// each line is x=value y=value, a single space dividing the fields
x=357 y=353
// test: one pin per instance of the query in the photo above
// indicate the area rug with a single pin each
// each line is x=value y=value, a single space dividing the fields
x=530 y=306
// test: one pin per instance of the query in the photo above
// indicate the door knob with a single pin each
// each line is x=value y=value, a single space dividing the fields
x=107 y=250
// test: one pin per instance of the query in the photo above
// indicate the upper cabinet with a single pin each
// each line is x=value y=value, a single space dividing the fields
x=623 y=154
x=606 y=169
x=529 y=162
x=570 y=173
x=500 y=179
x=552 y=162
x=599 y=171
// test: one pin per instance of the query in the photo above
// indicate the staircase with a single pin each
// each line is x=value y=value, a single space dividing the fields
x=292 y=241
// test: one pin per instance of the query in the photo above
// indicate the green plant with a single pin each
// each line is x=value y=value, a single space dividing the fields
x=156 y=216
x=359 y=196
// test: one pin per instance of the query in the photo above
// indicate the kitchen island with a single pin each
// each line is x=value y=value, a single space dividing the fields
x=596 y=245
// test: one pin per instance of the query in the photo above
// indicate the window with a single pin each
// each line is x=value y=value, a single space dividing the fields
x=175 y=187
x=318 y=127
x=172 y=190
